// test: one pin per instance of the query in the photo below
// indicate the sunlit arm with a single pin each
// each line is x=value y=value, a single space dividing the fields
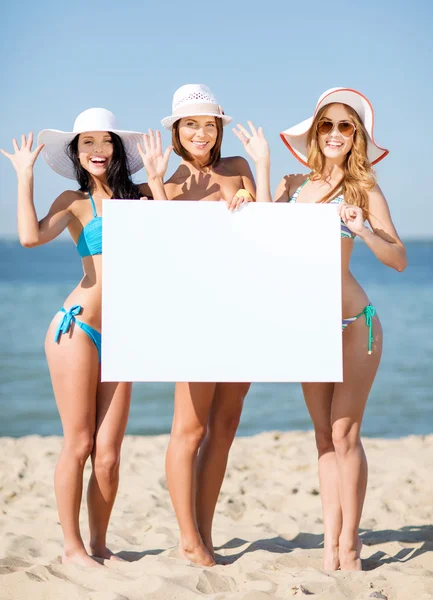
x=263 y=184
x=383 y=240
x=28 y=226
x=156 y=185
x=32 y=232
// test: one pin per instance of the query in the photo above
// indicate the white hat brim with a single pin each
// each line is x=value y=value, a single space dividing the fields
x=168 y=122
x=56 y=143
x=295 y=138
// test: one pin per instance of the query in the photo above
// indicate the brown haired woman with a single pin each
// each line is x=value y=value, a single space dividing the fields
x=206 y=415
x=338 y=146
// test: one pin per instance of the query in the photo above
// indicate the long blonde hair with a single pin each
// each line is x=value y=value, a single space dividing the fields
x=358 y=175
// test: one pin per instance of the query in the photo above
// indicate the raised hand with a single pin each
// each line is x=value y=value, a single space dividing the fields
x=352 y=216
x=23 y=158
x=254 y=142
x=154 y=160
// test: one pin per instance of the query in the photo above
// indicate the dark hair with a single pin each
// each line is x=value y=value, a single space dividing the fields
x=118 y=173
x=215 y=153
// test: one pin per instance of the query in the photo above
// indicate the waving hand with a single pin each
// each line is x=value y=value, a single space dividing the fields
x=254 y=142
x=24 y=157
x=154 y=160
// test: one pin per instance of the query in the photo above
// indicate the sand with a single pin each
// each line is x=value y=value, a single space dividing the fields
x=268 y=526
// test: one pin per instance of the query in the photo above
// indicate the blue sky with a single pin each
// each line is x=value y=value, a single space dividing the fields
x=265 y=61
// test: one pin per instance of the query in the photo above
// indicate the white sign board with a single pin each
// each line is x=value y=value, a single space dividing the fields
x=194 y=292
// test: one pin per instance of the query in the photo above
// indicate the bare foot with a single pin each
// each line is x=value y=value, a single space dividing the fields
x=331 y=560
x=219 y=560
x=207 y=541
x=198 y=554
x=80 y=557
x=104 y=553
x=350 y=558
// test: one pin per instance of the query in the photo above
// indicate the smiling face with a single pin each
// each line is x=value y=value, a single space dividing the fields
x=334 y=145
x=198 y=135
x=95 y=152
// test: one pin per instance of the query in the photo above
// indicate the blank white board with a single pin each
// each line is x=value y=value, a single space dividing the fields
x=194 y=292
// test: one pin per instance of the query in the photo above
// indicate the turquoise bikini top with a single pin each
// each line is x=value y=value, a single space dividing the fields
x=90 y=240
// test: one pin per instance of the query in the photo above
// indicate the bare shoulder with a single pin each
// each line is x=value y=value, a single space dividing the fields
x=288 y=185
x=67 y=199
x=375 y=193
x=377 y=203
x=238 y=161
x=294 y=180
x=234 y=165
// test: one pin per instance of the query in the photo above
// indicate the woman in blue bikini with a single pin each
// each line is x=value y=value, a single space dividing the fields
x=94 y=414
x=338 y=146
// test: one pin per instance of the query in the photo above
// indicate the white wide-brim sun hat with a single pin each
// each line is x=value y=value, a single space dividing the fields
x=296 y=137
x=92 y=119
x=194 y=99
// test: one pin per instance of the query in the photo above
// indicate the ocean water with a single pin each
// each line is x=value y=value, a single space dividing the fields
x=34 y=284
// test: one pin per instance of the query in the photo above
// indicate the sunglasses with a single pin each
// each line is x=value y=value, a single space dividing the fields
x=346 y=128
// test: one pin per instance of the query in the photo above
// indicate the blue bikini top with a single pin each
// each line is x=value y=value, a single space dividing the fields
x=90 y=240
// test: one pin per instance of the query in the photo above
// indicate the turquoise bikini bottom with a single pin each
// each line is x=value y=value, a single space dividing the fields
x=65 y=324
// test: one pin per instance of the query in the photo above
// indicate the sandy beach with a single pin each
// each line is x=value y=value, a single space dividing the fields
x=268 y=526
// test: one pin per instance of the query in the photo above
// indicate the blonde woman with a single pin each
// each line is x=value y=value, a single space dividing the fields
x=337 y=145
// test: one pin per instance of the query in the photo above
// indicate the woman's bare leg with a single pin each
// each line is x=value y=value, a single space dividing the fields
x=318 y=398
x=192 y=403
x=223 y=422
x=112 y=410
x=348 y=405
x=74 y=370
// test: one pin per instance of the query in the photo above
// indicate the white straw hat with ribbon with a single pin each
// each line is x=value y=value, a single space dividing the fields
x=194 y=99
x=92 y=119
x=296 y=137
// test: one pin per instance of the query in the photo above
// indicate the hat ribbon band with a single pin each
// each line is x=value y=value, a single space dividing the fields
x=189 y=110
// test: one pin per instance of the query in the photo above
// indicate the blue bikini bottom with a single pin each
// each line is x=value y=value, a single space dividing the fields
x=65 y=324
